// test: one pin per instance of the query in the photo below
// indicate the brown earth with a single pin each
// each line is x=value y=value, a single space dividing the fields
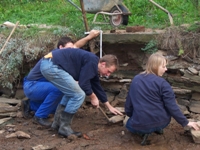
x=100 y=135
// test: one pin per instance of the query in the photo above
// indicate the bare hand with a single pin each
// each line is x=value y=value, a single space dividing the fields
x=112 y=109
x=95 y=102
x=115 y=111
x=194 y=125
x=94 y=33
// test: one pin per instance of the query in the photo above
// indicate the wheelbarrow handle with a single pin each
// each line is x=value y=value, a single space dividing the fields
x=74 y=5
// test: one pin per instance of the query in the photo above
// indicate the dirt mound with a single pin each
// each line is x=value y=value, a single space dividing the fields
x=98 y=135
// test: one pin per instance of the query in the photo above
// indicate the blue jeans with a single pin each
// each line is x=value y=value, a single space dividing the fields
x=148 y=131
x=73 y=95
x=44 y=96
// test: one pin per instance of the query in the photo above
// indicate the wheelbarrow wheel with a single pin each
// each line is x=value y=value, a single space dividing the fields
x=117 y=20
x=125 y=17
x=125 y=20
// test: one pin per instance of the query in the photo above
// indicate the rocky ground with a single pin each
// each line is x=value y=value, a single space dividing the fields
x=99 y=134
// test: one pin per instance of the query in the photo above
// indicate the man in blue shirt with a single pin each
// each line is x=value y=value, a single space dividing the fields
x=43 y=96
x=63 y=68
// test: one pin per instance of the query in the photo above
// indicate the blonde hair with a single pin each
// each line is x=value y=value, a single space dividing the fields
x=153 y=63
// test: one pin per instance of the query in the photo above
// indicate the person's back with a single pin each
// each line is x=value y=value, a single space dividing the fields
x=146 y=94
x=80 y=64
x=43 y=96
x=151 y=103
x=35 y=73
x=76 y=62
x=63 y=69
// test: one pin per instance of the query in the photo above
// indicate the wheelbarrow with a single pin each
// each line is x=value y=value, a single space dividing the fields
x=118 y=13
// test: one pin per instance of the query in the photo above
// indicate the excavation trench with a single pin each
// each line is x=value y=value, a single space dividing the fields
x=98 y=132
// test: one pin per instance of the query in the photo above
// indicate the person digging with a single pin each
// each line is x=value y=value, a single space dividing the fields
x=63 y=68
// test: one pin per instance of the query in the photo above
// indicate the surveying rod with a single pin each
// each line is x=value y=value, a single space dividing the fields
x=101 y=32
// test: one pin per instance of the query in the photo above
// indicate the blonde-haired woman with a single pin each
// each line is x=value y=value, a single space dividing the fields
x=150 y=102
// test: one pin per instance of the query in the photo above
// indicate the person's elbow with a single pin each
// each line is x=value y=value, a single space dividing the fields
x=129 y=114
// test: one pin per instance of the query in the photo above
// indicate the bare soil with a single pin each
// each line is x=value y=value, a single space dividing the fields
x=98 y=135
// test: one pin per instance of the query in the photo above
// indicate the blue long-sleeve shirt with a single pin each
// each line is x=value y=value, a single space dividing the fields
x=35 y=73
x=151 y=103
x=83 y=67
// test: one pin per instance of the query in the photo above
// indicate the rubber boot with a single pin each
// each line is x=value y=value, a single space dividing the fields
x=65 y=125
x=25 y=105
x=42 y=121
x=56 y=122
x=159 y=132
x=145 y=141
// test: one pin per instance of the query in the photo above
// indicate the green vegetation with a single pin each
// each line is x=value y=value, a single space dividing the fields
x=147 y=14
x=29 y=44
x=150 y=47
x=61 y=12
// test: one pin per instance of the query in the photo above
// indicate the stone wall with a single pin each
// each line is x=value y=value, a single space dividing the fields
x=183 y=76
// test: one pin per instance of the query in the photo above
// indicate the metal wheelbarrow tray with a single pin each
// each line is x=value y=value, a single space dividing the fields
x=118 y=13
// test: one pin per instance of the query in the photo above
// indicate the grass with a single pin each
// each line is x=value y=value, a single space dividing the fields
x=67 y=20
x=62 y=13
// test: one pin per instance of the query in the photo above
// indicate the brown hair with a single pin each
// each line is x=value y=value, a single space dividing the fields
x=111 y=60
x=153 y=63
x=64 y=40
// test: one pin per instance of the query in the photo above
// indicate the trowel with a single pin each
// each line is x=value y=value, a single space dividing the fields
x=113 y=119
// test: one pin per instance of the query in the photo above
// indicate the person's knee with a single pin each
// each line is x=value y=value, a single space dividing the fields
x=56 y=93
x=82 y=95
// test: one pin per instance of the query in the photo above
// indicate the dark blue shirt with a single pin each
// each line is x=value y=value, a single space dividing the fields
x=35 y=73
x=83 y=67
x=151 y=103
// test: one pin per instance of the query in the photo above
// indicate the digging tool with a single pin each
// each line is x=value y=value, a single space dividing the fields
x=113 y=119
x=9 y=36
x=104 y=113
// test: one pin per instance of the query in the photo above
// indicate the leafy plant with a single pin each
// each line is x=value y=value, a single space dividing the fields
x=61 y=12
x=30 y=43
x=194 y=27
x=10 y=61
x=180 y=52
x=151 y=47
x=19 y=50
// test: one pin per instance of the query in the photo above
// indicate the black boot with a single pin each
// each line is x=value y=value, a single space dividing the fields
x=65 y=125
x=56 y=121
x=159 y=132
x=145 y=141
x=25 y=105
x=42 y=121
